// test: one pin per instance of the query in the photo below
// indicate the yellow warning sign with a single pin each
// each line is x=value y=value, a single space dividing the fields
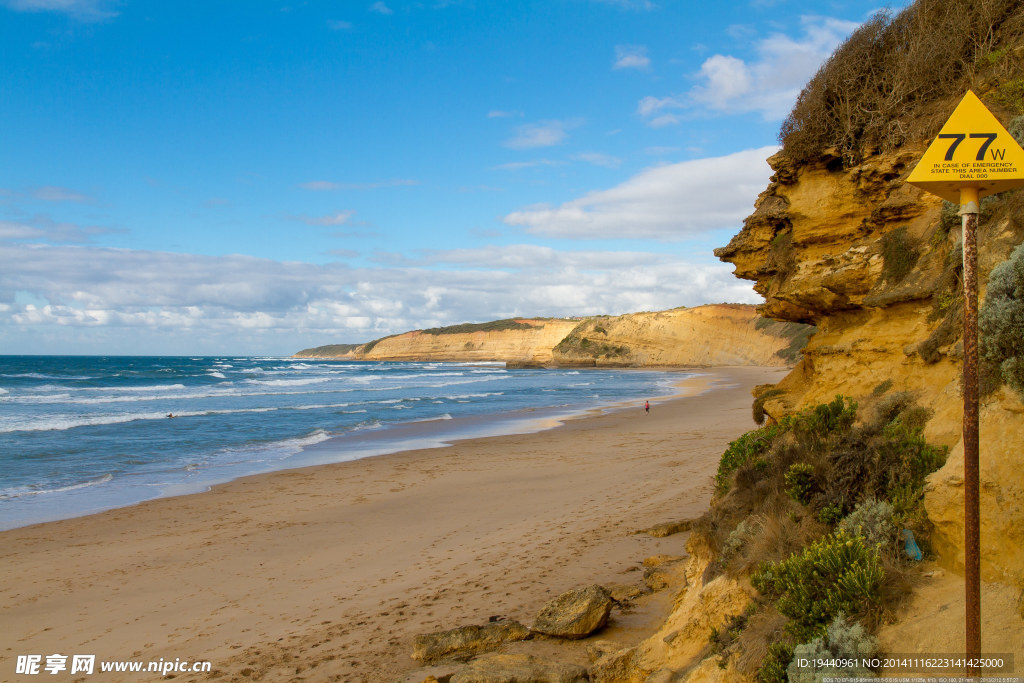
x=972 y=150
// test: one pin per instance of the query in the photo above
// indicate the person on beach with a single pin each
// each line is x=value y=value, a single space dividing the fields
x=647 y=407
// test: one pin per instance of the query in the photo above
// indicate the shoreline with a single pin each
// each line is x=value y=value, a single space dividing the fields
x=334 y=568
x=105 y=492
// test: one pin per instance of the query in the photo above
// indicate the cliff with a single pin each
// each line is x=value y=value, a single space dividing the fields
x=840 y=241
x=873 y=263
x=520 y=340
x=713 y=335
x=717 y=334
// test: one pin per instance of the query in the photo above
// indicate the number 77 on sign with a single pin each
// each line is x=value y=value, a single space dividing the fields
x=972 y=151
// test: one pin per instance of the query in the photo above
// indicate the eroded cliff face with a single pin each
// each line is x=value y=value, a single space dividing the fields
x=530 y=341
x=872 y=262
x=714 y=335
x=717 y=334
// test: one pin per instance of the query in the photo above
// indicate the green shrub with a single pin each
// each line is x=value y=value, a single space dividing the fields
x=823 y=421
x=1001 y=321
x=1011 y=95
x=742 y=451
x=871 y=519
x=773 y=668
x=837 y=575
x=830 y=514
x=842 y=641
x=799 y=481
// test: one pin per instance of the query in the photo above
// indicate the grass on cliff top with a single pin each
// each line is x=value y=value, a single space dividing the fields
x=492 y=326
x=898 y=77
x=810 y=508
x=329 y=350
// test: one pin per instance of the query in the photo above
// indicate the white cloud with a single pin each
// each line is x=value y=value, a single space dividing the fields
x=45 y=229
x=767 y=84
x=381 y=8
x=100 y=300
x=630 y=4
x=670 y=202
x=519 y=165
x=88 y=10
x=330 y=186
x=339 y=25
x=598 y=159
x=52 y=193
x=543 y=134
x=499 y=114
x=631 y=57
x=339 y=218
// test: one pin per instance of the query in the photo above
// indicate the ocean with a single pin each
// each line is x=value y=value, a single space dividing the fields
x=84 y=434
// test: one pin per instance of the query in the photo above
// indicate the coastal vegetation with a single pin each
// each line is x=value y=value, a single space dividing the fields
x=812 y=509
x=1001 y=323
x=492 y=326
x=898 y=76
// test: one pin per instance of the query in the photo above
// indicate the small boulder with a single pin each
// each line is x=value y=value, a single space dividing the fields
x=575 y=614
x=465 y=641
x=495 y=668
x=627 y=592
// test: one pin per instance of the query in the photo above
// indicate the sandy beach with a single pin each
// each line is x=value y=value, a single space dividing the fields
x=327 y=573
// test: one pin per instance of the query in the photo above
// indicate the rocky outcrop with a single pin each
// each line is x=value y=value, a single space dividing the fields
x=575 y=614
x=712 y=335
x=681 y=642
x=465 y=641
x=872 y=263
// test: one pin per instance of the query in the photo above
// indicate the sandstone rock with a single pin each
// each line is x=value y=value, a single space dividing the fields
x=599 y=648
x=659 y=560
x=627 y=592
x=575 y=614
x=710 y=671
x=496 y=668
x=668 y=528
x=684 y=634
x=617 y=667
x=665 y=571
x=466 y=641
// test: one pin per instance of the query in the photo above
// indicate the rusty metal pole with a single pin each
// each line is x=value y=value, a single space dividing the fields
x=969 y=209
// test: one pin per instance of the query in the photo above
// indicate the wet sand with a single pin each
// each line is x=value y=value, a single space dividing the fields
x=328 y=572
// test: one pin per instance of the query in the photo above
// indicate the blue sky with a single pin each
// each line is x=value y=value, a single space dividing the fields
x=256 y=177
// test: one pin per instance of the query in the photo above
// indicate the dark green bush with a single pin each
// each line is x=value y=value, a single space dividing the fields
x=742 y=451
x=800 y=485
x=773 y=668
x=837 y=575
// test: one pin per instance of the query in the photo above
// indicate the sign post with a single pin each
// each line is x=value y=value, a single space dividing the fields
x=972 y=157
